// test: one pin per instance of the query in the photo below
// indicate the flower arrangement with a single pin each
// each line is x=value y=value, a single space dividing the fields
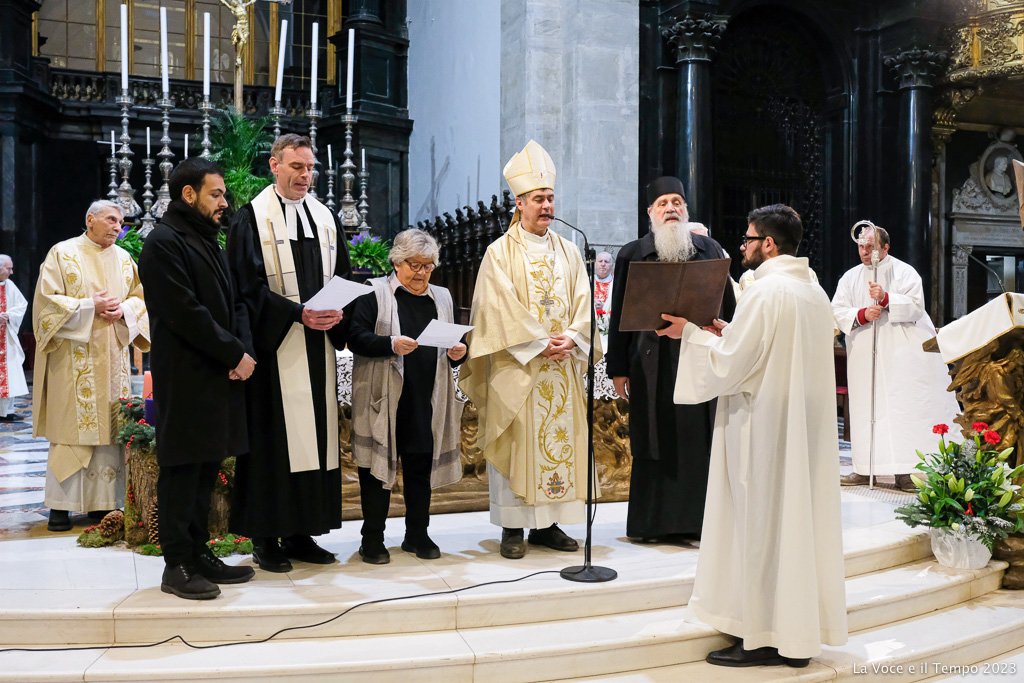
x=969 y=488
x=602 y=317
x=134 y=431
x=370 y=252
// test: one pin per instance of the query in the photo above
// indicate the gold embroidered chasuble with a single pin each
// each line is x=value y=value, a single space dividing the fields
x=81 y=361
x=532 y=410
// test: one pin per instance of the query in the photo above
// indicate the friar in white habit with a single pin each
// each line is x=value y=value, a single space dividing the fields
x=13 y=306
x=770 y=570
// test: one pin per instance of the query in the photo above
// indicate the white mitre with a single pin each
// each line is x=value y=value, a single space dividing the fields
x=528 y=170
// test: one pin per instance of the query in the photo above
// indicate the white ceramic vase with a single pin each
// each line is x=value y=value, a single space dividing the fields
x=958 y=550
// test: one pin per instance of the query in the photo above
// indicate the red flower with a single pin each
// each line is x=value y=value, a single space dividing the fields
x=970 y=510
x=992 y=437
x=940 y=429
x=979 y=426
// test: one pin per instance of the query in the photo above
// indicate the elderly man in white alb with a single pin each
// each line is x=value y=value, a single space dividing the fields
x=527 y=357
x=87 y=309
x=12 y=357
x=910 y=385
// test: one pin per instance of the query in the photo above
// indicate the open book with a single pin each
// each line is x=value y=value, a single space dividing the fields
x=691 y=289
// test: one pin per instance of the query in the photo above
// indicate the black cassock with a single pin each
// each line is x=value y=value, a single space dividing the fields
x=268 y=499
x=670 y=444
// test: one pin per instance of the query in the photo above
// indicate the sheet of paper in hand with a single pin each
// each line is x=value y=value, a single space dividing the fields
x=336 y=294
x=442 y=335
x=691 y=289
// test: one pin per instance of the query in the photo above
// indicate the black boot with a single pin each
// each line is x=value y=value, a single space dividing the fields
x=211 y=567
x=305 y=549
x=60 y=520
x=512 y=545
x=181 y=581
x=269 y=555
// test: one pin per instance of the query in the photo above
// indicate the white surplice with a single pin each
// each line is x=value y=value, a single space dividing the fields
x=910 y=384
x=12 y=358
x=770 y=568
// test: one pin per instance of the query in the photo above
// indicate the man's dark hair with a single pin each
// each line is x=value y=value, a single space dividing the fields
x=191 y=172
x=287 y=141
x=781 y=223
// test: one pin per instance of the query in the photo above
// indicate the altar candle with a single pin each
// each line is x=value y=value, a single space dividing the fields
x=351 y=64
x=148 y=155
x=124 y=47
x=363 y=150
x=280 y=61
x=206 y=55
x=147 y=384
x=163 y=53
x=313 y=68
x=330 y=157
x=186 y=145
x=113 y=146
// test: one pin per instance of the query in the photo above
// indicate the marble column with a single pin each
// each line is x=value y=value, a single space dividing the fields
x=916 y=71
x=694 y=39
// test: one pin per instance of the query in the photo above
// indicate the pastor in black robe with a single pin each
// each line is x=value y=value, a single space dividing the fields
x=269 y=500
x=670 y=444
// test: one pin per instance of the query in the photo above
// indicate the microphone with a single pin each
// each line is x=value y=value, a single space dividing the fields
x=586 y=243
x=999 y=280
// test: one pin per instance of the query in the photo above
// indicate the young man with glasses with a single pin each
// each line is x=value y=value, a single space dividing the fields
x=770 y=571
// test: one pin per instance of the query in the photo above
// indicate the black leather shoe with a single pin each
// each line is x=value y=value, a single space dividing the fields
x=12 y=417
x=374 y=552
x=736 y=656
x=211 y=567
x=512 y=545
x=181 y=581
x=60 y=520
x=553 y=538
x=305 y=549
x=424 y=548
x=268 y=555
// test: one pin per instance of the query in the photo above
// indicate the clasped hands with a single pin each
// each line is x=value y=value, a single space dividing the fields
x=244 y=369
x=107 y=307
x=559 y=347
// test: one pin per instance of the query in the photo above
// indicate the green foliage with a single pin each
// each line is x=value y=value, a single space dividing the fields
x=229 y=545
x=92 y=538
x=969 y=488
x=134 y=431
x=150 y=549
x=241 y=145
x=371 y=253
x=132 y=243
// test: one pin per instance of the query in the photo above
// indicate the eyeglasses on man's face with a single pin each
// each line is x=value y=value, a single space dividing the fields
x=751 y=238
x=420 y=267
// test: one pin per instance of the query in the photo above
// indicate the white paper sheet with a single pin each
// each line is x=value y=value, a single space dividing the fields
x=442 y=335
x=336 y=294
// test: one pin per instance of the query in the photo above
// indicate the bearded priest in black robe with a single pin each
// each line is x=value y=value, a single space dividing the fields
x=283 y=248
x=670 y=444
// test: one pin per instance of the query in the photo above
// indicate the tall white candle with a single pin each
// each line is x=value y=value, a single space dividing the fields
x=124 y=47
x=280 y=60
x=113 y=145
x=206 y=54
x=363 y=167
x=330 y=157
x=186 y=145
x=148 y=155
x=351 y=65
x=314 y=48
x=163 y=53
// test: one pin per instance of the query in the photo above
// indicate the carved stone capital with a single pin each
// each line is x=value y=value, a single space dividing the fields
x=695 y=37
x=917 y=67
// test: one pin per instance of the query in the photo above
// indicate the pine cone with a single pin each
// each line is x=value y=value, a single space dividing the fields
x=153 y=524
x=112 y=525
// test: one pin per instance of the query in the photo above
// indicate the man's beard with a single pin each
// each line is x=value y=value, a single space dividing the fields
x=673 y=241
x=215 y=223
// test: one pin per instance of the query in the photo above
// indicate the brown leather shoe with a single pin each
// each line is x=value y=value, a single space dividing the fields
x=905 y=482
x=512 y=545
x=853 y=479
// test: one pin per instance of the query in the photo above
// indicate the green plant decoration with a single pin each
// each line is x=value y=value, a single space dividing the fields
x=241 y=146
x=130 y=241
x=370 y=253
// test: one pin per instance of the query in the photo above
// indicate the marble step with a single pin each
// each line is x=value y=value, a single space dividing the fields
x=568 y=648
x=1008 y=666
x=125 y=605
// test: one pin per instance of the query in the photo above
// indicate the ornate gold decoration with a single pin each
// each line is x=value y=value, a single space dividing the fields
x=989 y=43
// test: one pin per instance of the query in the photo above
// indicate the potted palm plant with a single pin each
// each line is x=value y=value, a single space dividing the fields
x=969 y=497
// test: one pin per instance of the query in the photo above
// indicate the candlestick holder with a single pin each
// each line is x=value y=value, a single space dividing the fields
x=206 y=108
x=364 y=205
x=125 y=193
x=112 y=187
x=148 y=222
x=349 y=214
x=163 y=195
x=313 y=113
x=277 y=111
x=330 y=188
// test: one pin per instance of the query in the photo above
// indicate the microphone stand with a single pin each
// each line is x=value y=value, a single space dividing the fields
x=587 y=572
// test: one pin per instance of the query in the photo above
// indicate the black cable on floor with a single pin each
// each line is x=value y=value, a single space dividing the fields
x=136 y=646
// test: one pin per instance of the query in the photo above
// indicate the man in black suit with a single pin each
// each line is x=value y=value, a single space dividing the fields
x=671 y=444
x=201 y=354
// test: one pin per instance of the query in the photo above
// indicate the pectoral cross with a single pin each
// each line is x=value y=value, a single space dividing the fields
x=547 y=302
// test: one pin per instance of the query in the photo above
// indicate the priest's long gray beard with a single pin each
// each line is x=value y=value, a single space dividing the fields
x=673 y=242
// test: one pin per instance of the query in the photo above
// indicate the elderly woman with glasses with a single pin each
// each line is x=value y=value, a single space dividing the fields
x=404 y=406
